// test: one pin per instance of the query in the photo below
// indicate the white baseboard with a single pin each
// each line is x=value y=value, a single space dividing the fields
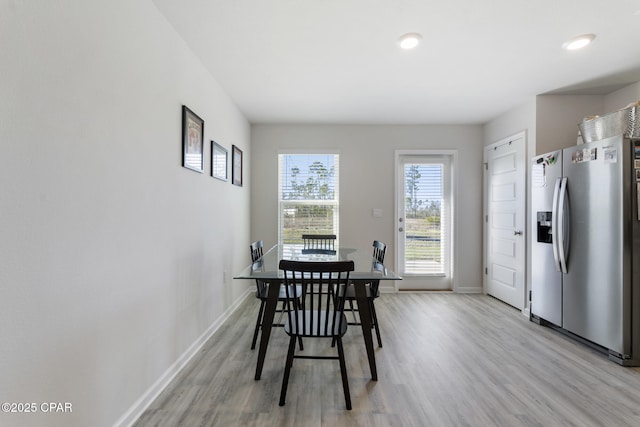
x=141 y=405
x=468 y=289
x=390 y=288
x=387 y=288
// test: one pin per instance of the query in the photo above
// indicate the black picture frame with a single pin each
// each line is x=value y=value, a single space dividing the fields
x=192 y=140
x=219 y=158
x=236 y=166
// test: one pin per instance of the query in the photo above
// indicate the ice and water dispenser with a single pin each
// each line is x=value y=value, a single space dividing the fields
x=544 y=227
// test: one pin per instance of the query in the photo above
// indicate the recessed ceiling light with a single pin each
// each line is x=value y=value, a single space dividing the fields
x=410 y=40
x=578 y=42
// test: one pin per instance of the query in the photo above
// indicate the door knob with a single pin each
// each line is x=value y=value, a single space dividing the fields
x=400 y=229
x=517 y=233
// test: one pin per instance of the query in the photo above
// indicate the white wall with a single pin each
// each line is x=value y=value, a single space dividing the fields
x=367 y=181
x=558 y=116
x=621 y=98
x=114 y=260
x=521 y=118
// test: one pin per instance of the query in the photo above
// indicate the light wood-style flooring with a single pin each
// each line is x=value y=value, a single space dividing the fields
x=448 y=360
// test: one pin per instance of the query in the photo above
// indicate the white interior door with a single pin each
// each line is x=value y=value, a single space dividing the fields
x=505 y=195
x=424 y=221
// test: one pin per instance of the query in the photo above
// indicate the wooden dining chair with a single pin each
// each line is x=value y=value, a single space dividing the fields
x=321 y=314
x=372 y=289
x=319 y=244
x=262 y=292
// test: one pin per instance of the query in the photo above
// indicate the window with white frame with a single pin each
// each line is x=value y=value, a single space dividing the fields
x=307 y=196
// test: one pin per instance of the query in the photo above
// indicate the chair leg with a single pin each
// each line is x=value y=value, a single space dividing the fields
x=374 y=317
x=355 y=321
x=287 y=369
x=297 y=303
x=353 y=311
x=282 y=312
x=343 y=371
x=258 y=323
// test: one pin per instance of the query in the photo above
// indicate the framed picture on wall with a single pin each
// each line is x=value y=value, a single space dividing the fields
x=218 y=161
x=192 y=140
x=236 y=166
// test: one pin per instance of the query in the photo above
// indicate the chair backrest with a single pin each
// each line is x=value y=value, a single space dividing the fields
x=256 y=250
x=257 y=265
x=323 y=284
x=319 y=243
x=379 y=250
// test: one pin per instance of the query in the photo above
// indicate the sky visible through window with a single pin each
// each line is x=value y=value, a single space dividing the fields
x=423 y=186
x=308 y=176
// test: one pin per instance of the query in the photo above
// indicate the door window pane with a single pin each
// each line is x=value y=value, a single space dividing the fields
x=426 y=236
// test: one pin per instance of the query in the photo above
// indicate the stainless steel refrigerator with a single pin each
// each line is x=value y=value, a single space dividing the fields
x=585 y=251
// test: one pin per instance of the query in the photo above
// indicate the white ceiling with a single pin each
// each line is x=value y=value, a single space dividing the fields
x=338 y=61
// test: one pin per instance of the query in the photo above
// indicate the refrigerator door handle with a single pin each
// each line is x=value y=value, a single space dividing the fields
x=563 y=226
x=555 y=238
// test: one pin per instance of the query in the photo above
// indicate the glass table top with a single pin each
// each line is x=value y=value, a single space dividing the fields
x=366 y=267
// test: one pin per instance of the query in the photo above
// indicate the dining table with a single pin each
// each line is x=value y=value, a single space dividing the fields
x=366 y=270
